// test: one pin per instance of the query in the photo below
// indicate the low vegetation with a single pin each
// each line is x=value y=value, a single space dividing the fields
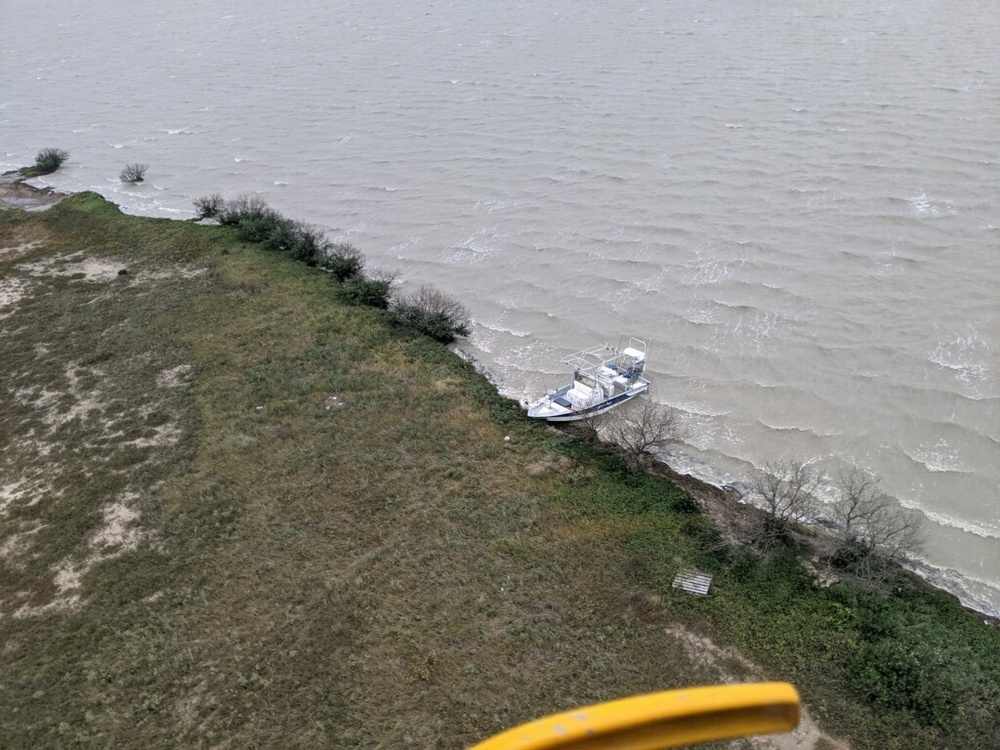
x=240 y=512
x=133 y=173
x=47 y=161
x=643 y=428
x=427 y=311
x=432 y=313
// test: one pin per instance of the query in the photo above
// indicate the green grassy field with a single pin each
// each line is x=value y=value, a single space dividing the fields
x=238 y=513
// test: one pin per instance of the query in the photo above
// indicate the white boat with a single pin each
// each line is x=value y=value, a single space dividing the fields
x=603 y=377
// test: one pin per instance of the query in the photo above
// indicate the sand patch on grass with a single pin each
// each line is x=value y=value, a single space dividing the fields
x=173 y=377
x=84 y=401
x=26 y=491
x=87 y=269
x=730 y=666
x=17 y=545
x=67 y=598
x=18 y=250
x=180 y=272
x=12 y=291
x=119 y=529
x=119 y=533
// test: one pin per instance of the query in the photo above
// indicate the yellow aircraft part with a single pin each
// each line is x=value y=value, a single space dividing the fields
x=660 y=720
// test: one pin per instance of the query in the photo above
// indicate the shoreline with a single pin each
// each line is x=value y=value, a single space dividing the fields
x=16 y=193
x=723 y=504
x=720 y=503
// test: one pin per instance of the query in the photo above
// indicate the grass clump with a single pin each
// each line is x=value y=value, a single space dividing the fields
x=50 y=159
x=47 y=161
x=433 y=313
x=343 y=260
x=369 y=291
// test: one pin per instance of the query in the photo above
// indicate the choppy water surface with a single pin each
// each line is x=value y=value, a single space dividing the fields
x=795 y=203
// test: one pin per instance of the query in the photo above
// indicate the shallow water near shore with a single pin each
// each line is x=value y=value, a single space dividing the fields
x=796 y=207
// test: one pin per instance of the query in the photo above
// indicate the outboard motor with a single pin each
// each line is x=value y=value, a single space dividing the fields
x=635 y=362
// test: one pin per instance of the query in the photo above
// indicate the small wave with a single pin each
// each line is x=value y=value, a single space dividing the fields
x=965 y=355
x=795 y=428
x=960 y=585
x=938 y=460
x=494 y=205
x=944 y=519
x=481 y=245
x=701 y=410
x=499 y=328
x=925 y=206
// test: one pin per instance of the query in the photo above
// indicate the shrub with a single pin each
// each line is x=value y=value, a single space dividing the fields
x=308 y=245
x=642 y=426
x=133 y=173
x=49 y=160
x=209 y=206
x=432 y=313
x=343 y=260
x=371 y=291
x=268 y=227
x=909 y=676
x=242 y=208
x=872 y=524
x=271 y=230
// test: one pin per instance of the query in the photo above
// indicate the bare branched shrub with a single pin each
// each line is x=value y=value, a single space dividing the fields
x=593 y=425
x=434 y=313
x=785 y=491
x=642 y=427
x=209 y=206
x=872 y=524
x=50 y=159
x=133 y=173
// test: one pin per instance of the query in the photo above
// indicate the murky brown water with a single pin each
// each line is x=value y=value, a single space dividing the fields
x=795 y=203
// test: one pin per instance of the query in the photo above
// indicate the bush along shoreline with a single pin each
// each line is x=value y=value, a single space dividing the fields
x=427 y=311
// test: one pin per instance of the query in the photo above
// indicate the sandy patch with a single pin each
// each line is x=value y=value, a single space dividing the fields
x=119 y=533
x=17 y=546
x=728 y=664
x=173 y=377
x=18 y=250
x=88 y=269
x=85 y=402
x=119 y=529
x=166 y=435
x=26 y=492
x=67 y=582
x=12 y=291
x=181 y=272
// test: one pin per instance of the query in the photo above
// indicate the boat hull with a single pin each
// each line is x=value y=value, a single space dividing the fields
x=547 y=409
x=603 y=378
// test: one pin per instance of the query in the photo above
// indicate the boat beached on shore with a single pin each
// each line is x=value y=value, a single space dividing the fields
x=603 y=377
